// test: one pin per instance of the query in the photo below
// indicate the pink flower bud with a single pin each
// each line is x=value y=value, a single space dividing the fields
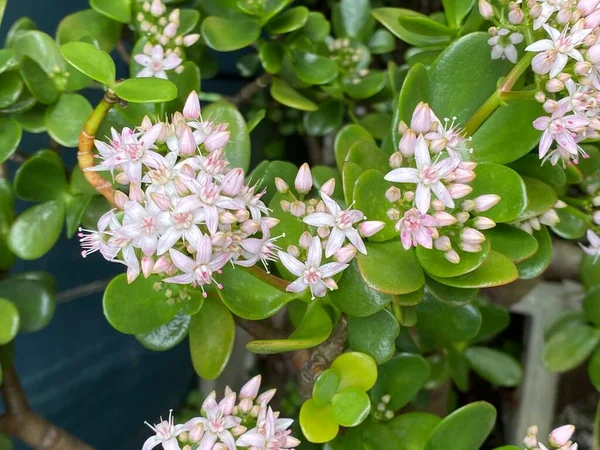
x=483 y=223
x=596 y=217
x=132 y=274
x=250 y=226
x=191 y=109
x=161 y=265
x=452 y=256
x=582 y=68
x=219 y=446
x=485 y=9
x=245 y=405
x=187 y=143
x=233 y=182
x=266 y=397
x=281 y=186
x=238 y=430
x=516 y=16
x=592 y=20
x=407 y=144
x=174 y=16
x=437 y=205
x=297 y=208
x=472 y=236
x=587 y=6
x=458 y=190
x=146 y=124
x=163 y=201
x=305 y=240
x=590 y=40
x=120 y=199
x=269 y=222
x=304 y=181
x=463 y=175
x=293 y=250
x=485 y=202
x=393 y=214
x=395 y=160
x=409 y=196
x=255 y=411
x=321 y=207
x=554 y=85
x=421 y=118
x=470 y=248
x=402 y=127
x=227 y=218
x=220 y=239
x=147 y=266
x=370 y=227
x=196 y=433
x=468 y=205
x=530 y=441
x=323 y=232
x=122 y=178
x=535 y=11
x=186 y=447
x=444 y=219
x=285 y=205
x=593 y=54
x=443 y=243
x=561 y=435
x=345 y=254
x=564 y=16
x=438 y=145
x=190 y=39
x=157 y=9
x=135 y=193
x=328 y=187
x=462 y=217
x=393 y=194
x=330 y=283
x=550 y=105
x=216 y=140
x=550 y=218
x=170 y=30
x=540 y=97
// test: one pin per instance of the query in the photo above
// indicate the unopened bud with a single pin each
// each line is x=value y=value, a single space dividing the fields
x=443 y=243
x=561 y=435
x=161 y=265
x=285 y=205
x=393 y=194
x=370 y=227
x=293 y=250
x=516 y=16
x=468 y=205
x=462 y=217
x=190 y=39
x=470 y=248
x=472 y=236
x=330 y=283
x=345 y=254
x=238 y=430
x=409 y=196
x=438 y=205
x=550 y=105
x=444 y=219
x=233 y=182
x=540 y=97
x=407 y=144
x=305 y=240
x=191 y=109
x=304 y=181
x=421 y=118
x=395 y=160
x=250 y=226
x=297 y=208
x=281 y=186
x=583 y=67
x=147 y=265
x=483 y=223
x=227 y=218
x=197 y=432
x=122 y=178
x=554 y=85
x=402 y=127
x=485 y=202
x=393 y=214
x=596 y=217
x=157 y=9
x=459 y=190
x=120 y=199
x=452 y=256
x=323 y=232
x=485 y=9
x=329 y=187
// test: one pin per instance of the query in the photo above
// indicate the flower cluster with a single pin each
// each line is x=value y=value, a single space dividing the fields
x=549 y=218
x=244 y=420
x=164 y=49
x=559 y=438
x=432 y=157
x=187 y=213
x=333 y=226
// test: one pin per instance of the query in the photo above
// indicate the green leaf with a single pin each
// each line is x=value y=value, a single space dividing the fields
x=166 y=336
x=355 y=19
x=381 y=42
x=424 y=25
x=242 y=31
x=513 y=242
x=573 y=223
x=314 y=328
x=415 y=89
x=495 y=318
x=364 y=87
x=569 y=347
x=350 y=407
x=312 y=68
x=41 y=177
x=41 y=86
x=391 y=269
x=593 y=369
x=92 y=24
x=10 y=136
x=357 y=370
x=447 y=323
x=9 y=321
x=32 y=120
x=65 y=119
x=456 y=10
x=410 y=299
x=326 y=119
x=316 y=422
x=325 y=386
x=34 y=298
x=91 y=61
x=350 y=173
x=464 y=429
x=368 y=156
x=264 y=174
x=119 y=10
x=75 y=207
x=288 y=96
x=8 y=59
x=317 y=27
x=540 y=198
x=354 y=297
x=531 y=166
x=502 y=181
x=291 y=20
x=369 y=195
x=450 y=295
x=390 y=18
x=413 y=429
x=5 y=441
x=186 y=82
x=145 y=90
x=210 y=349
x=346 y=138
x=7 y=258
x=591 y=305
x=374 y=335
x=496 y=270
x=188 y=19
x=494 y=366
x=271 y=56
x=378 y=124
x=401 y=378
x=590 y=275
x=42 y=49
x=252 y=297
x=36 y=230
x=139 y=307
x=435 y=263
x=536 y=264
x=11 y=87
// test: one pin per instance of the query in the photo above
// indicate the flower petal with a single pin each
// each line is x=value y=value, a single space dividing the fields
x=291 y=263
x=403 y=175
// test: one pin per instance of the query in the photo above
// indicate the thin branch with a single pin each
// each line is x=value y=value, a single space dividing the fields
x=258 y=329
x=19 y=157
x=315 y=152
x=122 y=51
x=250 y=90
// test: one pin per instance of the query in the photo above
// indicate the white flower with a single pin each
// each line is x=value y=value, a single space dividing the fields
x=311 y=273
x=341 y=224
x=594 y=248
x=273 y=434
x=559 y=128
x=427 y=176
x=166 y=434
x=179 y=225
x=503 y=45
x=156 y=64
x=217 y=423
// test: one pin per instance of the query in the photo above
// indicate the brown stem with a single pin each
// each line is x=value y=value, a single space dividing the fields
x=23 y=424
x=250 y=90
x=315 y=153
x=258 y=329
x=122 y=51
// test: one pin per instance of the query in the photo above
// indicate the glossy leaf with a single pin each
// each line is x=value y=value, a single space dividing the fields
x=369 y=197
x=39 y=84
x=365 y=87
x=290 y=20
x=316 y=422
x=354 y=18
x=312 y=68
x=32 y=120
x=494 y=366
x=145 y=90
x=415 y=89
x=350 y=407
x=188 y=19
x=496 y=270
x=316 y=28
x=7 y=257
x=65 y=119
x=381 y=42
x=271 y=56
x=36 y=230
x=346 y=138
x=11 y=87
x=513 y=242
x=350 y=173
x=41 y=177
x=591 y=305
x=540 y=197
x=389 y=268
x=413 y=429
x=166 y=336
x=326 y=119
x=390 y=18
x=593 y=369
x=119 y=10
x=34 y=298
x=436 y=264
x=42 y=49
x=456 y=10
x=10 y=136
x=75 y=207
x=424 y=25
x=495 y=318
x=374 y=335
x=535 y=265
x=325 y=386
x=530 y=165
x=288 y=96
x=401 y=377
x=573 y=223
x=89 y=23
x=9 y=321
x=210 y=350
x=241 y=32
x=357 y=370
x=91 y=61
x=590 y=275
x=569 y=347
x=448 y=294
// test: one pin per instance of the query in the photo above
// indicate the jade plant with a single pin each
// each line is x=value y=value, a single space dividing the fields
x=439 y=160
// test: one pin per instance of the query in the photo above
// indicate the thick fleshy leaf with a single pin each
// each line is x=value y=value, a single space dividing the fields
x=415 y=89
x=352 y=18
x=350 y=173
x=326 y=119
x=316 y=422
x=381 y=42
x=42 y=49
x=10 y=136
x=456 y=10
x=186 y=82
x=424 y=25
x=350 y=407
x=7 y=200
x=168 y=335
x=435 y=263
x=33 y=297
x=92 y=24
x=591 y=305
x=39 y=84
x=368 y=156
x=464 y=429
x=11 y=87
x=237 y=150
x=502 y=181
x=75 y=206
x=137 y=307
x=119 y=10
x=317 y=27
x=36 y=230
x=65 y=119
x=593 y=369
x=448 y=294
x=211 y=350
x=88 y=59
x=354 y=297
x=314 y=328
x=573 y=223
x=32 y=120
x=390 y=18
x=357 y=370
x=590 y=275
x=325 y=386
x=9 y=321
x=288 y=96
x=8 y=59
x=495 y=318
x=536 y=264
x=346 y=138
x=377 y=123
x=530 y=166
x=145 y=90
x=271 y=56
x=413 y=429
x=374 y=335
x=365 y=87
x=241 y=32
x=369 y=197
x=513 y=242
x=312 y=68
x=540 y=197
x=410 y=299
x=401 y=378
x=494 y=366
x=288 y=21
x=188 y=19
x=447 y=323
x=264 y=174
x=496 y=270
x=569 y=347
x=389 y=268
x=41 y=177
x=252 y=294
